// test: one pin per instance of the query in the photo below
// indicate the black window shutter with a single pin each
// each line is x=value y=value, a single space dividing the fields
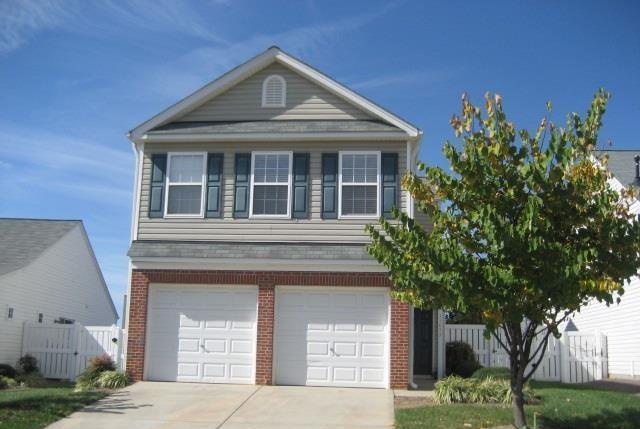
x=156 y=191
x=300 y=185
x=214 y=185
x=329 y=185
x=390 y=183
x=241 y=190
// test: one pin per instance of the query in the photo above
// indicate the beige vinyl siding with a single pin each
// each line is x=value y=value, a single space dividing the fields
x=313 y=229
x=423 y=220
x=305 y=100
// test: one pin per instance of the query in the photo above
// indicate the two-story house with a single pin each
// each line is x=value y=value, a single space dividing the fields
x=248 y=254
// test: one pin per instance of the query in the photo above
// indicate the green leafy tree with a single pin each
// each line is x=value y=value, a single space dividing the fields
x=526 y=230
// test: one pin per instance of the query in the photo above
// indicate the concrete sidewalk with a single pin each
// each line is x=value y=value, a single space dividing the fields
x=147 y=405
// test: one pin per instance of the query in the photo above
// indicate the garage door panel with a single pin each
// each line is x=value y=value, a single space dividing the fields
x=202 y=334
x=341 y=344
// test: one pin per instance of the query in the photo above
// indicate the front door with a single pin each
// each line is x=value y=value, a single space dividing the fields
x=422 y=342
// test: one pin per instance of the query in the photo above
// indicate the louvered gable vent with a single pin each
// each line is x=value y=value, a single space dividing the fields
x=274 y=91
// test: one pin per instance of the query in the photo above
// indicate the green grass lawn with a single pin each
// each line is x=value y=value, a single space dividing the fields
x=28 y=408
x=563 y=407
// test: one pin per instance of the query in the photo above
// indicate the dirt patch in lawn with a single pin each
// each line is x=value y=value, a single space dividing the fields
x=401 y=402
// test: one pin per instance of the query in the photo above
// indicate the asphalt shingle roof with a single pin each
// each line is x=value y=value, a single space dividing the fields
x=622 y=165
x=280 y=126
x=234 y=250
x=23 y=240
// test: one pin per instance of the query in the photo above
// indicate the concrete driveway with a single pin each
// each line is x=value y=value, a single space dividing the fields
x=148 y=405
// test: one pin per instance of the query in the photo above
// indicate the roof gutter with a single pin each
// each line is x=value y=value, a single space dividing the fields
x=234 y=137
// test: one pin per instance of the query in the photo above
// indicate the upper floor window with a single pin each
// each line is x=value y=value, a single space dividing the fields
x=359 y=184
x=271 y=184
x=274 y=91
x=185 y=184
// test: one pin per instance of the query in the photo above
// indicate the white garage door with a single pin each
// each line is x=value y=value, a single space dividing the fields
x=202 y=334
x=332 y=337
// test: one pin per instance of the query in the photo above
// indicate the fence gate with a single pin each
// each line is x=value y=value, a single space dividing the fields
x=63 y=351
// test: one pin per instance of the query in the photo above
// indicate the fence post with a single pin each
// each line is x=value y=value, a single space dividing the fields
x=117 y=334
x=563 y=351
x=74 y=359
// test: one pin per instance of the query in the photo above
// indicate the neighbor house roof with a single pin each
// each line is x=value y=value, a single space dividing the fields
x=259 y=62
x=23 y=240
x=622 y=165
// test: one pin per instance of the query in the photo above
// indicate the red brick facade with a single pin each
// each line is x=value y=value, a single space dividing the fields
x=266 y=281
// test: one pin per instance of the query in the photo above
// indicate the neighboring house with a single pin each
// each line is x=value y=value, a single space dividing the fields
x=619 y=322
x=48 y=274
x=248 y=253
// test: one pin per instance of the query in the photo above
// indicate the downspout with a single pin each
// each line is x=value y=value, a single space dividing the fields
x=413 y=146
x=138 y=150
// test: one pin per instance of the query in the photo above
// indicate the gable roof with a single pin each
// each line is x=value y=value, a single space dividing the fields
x=241 y=72
x=622 y=165
x=23 y=240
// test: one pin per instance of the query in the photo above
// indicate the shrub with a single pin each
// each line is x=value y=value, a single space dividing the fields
x=461 y=360
x=102 y=363
x=496 y=373
x=33 y=379
x=7 y=382
x=27 y=364
x=97 y=365
x=113 y=380
x=489 y=390
x=7 y=371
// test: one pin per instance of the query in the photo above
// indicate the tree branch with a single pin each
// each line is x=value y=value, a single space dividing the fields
x=545 y=343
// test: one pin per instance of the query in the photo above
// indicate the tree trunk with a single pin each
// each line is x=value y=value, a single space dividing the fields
x=519 y=419
x=518 y=364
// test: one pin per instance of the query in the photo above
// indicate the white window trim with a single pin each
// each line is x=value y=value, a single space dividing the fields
x=202 y=183
x=378 y=177
x=289 y=182
x=283 y=101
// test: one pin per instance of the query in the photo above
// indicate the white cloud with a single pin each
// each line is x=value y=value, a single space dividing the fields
x=71 y=166
x=150 y=16
x=201 y=65
x=22 y=20
x=400 y=79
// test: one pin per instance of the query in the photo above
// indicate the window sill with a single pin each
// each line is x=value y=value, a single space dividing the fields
x=358 y=217
x=183 y=216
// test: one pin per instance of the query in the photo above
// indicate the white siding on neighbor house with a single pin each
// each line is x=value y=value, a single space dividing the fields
x=304 y=100
x=313 y=229
x=62 y=282
x=621 y=324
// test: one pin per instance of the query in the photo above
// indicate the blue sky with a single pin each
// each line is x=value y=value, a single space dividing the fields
x=76 y=75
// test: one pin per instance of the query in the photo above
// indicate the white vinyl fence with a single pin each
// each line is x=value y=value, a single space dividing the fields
x=63 y=351
x=577 y=357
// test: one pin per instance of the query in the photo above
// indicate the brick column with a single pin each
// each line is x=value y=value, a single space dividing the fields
x=399 y=363
x=136 y=324
x=264 y=347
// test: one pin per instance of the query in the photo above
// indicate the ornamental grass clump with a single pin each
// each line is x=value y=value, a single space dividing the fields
x=458 y=390
x=112 y=380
